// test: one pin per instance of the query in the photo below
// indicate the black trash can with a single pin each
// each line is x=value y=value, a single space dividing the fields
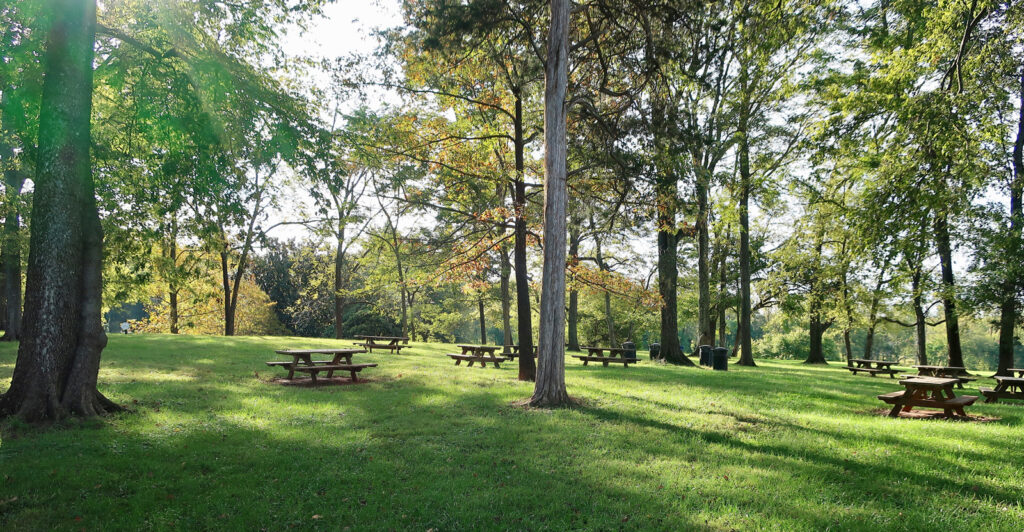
x=720 y=359
x=630 y=350
x=704 y=355
x=655 y=351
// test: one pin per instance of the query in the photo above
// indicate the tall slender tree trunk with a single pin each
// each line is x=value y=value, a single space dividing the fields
x=14 y=180
x=942 y=242
x=59 y=356
x=705 y=325
x=225 y=280
x=524 y=321
x=550 y=386
x=483 y=322
x=574 y=303
x=172 y=287
x=609 y=318
x=339 y=280
x=723 y=287
x=920 y=325
x=743 y=150
x=1008 y=309
x=869 y=338
x=506 y=303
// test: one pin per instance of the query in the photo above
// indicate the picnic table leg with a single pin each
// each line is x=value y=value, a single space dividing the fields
x=585 y=362
x=458 y=361
x=354 y=378
x=312 y=375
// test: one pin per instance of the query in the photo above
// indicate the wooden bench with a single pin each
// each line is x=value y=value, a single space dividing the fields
x=606 y=360
x=394 y=348
x=353 y=369
x=482 y=359
x=873 y=371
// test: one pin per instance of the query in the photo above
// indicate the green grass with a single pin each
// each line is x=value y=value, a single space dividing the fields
x=428 y=445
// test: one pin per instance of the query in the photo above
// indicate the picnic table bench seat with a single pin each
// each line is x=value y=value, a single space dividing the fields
x=353 y=369
x=960 y=400
x=928 y=392
x=482 y=359
x=874 y=371
x=606 y=360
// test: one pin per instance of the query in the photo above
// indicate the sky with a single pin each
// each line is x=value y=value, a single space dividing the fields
x=344 y=29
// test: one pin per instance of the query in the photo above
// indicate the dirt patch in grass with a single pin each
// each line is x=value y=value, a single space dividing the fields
x=936 y=414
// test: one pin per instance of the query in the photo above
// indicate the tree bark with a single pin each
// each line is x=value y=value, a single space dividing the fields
x=921 y=324
x=705 y=327
x=58 y=360
x=942 y=242
x=339 y=279
x=574 y=303
x=608 y=317
x=743 y=327
x=524 y=321
x=13 y=181
x=549 y=390
x=506 y=303
x=483 y=322
x=1008 y=309
x=172 y=287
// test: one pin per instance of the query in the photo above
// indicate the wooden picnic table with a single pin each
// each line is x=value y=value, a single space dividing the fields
x=478 y=353
x=302 y=361
x=615 y=354
x=950 y=372
x=1006 y=388
x=929 y=392
x=1018 y=371
x=871 y=367
x=391 y=343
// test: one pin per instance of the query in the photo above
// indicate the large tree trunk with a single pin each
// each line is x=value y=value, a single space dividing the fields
x=816 y=354
x=720 y=308
x=550 y=387
x=743 y=327
x=524 y=321
x=58 y=359
x=705 y=325
x=920 y=325
x=942 y=242
x=13 y=181
x=1008 y=309
x=574 y=303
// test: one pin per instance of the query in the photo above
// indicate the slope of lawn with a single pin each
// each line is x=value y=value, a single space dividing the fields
x=210 y=444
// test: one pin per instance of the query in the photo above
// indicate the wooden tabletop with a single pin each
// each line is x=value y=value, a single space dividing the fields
x=370 y=337
x=929 y=382
x=870 y=361
x=473 y=346
x=1009 y=380
x=346 y=350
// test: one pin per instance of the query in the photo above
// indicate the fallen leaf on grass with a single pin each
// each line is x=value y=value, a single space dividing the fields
x=316 y=516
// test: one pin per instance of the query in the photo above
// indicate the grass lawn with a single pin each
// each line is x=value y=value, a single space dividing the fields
x=428 y=445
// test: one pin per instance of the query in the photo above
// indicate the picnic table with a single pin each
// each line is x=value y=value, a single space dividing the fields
x=615 y=354
x=950 y=372
x=871 y=367
x=302 y=361
x=391 y=343
x=1006 y=388
x=1018 y=371
x=929 y=392
x=478 y=353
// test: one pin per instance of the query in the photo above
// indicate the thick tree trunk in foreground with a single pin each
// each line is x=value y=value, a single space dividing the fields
x=524 y=322
x=550 y=387
x=1008 y=310
x=13 y=181
x=59 y=356
x=942 y=242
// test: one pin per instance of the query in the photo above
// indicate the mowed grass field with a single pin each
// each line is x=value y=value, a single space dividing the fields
x=209 y=444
